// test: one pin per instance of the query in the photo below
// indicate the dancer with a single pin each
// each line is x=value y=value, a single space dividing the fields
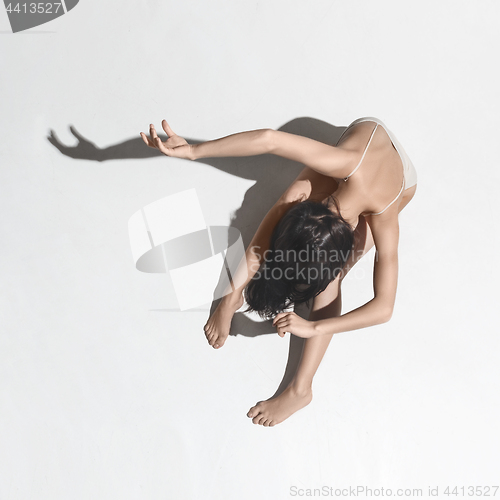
x=346 y=200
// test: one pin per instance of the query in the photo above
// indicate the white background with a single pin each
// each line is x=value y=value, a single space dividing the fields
x=106 y=394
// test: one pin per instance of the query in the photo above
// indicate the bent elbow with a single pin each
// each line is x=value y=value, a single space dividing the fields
x=386 y=315
x=268 y=139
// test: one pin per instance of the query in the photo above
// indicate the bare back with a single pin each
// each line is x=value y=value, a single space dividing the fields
x=379 y=177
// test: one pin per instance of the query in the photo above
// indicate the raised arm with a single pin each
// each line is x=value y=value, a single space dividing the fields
x=323 y=158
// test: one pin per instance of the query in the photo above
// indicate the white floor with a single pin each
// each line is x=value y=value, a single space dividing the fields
x=106 y=390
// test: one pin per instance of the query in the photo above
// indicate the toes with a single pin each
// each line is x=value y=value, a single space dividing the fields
x=253 y=411
x=209 y=331
x=262 y=419
x=256 y=416
x=220 y=342
x=259 y=417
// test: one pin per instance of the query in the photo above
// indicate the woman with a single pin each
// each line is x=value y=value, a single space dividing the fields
x=346 y=199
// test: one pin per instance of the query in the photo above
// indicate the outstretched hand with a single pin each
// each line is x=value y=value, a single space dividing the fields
x=174 y=146
x=293 y=323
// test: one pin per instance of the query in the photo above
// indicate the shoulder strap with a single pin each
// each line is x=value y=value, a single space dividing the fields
x=393 y=201
x=364 y=153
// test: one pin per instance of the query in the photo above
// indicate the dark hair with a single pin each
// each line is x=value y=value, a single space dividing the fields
x=327 y=240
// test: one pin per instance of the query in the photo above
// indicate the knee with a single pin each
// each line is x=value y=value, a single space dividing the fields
x=295 y=194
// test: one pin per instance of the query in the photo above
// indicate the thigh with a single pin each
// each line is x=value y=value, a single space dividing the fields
x=328 y=303
x=310 y=184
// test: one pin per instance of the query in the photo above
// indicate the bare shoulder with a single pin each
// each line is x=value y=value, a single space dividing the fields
x=331 y=161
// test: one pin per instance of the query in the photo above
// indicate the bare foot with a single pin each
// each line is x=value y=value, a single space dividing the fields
x=218 y=325
x=275 y=410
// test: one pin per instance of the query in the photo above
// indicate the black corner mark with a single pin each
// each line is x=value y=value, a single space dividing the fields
x=70 y=4
x=26 y=15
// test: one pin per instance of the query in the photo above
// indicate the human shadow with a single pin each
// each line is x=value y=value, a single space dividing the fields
x=272 y=175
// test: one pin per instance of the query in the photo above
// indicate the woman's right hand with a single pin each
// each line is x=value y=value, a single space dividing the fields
x=174 y=146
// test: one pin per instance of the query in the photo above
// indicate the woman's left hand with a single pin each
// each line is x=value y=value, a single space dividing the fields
x=293 y=323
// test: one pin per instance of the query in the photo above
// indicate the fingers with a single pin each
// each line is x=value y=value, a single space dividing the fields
x=281 y=319
x=278 y=317
x=167 y=129
x=162 y=148
x=282 y=329
x=282 y=323
x=153 y=141
x=147 y=140
x=152 y=133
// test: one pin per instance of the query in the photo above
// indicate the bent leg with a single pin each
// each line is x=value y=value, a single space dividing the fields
x=315 y=347
x=299 y=392
x=308 y=184
x=326 y=305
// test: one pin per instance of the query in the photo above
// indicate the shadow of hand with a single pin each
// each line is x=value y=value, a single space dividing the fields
x=84 y=150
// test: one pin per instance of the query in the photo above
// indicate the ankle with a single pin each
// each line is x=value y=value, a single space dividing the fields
x=301 y=387
x=232 y=301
